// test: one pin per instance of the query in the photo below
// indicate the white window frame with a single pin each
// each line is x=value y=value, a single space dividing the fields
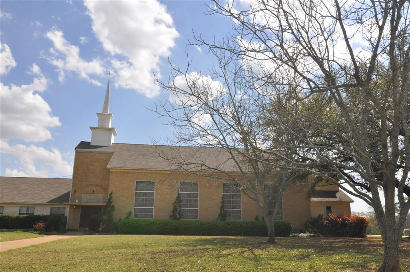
x=153 y=203
x=240 y=194
x=179 y=191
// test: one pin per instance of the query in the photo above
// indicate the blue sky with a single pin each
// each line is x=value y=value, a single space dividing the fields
x=54 y=58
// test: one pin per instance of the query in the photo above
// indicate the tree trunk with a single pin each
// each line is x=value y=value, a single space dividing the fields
x=270 y=227
x=391 y=260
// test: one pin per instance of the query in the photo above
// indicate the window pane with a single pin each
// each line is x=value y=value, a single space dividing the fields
x=189 y=203
x=232 y=201
x=188 y=192
x=230 y=188
x=189 y=213
x=144 y=186
x=1 y=209
x=26 y=210
x=188 y=186
x=233 y=214
x=143 y=212
x=57 y=210
x=144 y=199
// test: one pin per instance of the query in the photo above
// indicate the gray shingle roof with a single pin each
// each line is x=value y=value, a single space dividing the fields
x=34 y=190
x=163 y=157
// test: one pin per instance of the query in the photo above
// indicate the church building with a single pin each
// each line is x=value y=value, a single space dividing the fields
x=145 y=183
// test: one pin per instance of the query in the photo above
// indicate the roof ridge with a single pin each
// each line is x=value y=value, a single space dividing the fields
x=185 y=146
x=32 y=177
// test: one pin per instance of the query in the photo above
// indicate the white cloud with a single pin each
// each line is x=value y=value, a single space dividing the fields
x=137 y=34
x=24 y=113
x=37 y=24
x=83 y=40
x=193 y=84
x=5 y=15
x=7 y=61
x=201 y=119
x=66 y=57
x=36 y=161
x=359 y=35
x=198 y=48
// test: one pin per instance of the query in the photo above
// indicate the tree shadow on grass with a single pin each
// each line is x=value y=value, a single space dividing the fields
x=358 y=254
x=221 y=247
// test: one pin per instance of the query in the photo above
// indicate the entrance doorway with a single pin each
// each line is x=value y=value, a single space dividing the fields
x=87 y=212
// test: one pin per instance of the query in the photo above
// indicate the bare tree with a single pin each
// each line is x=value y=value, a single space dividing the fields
x=227 y=113
x=350 y=61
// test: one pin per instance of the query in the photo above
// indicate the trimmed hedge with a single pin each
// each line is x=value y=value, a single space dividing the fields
x=339 y=226
x=196 y=227
x=52 y=222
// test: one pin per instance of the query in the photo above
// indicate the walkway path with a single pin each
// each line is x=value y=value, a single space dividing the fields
x=32 y=241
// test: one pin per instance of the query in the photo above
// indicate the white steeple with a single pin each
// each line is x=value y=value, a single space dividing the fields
x=103 y=135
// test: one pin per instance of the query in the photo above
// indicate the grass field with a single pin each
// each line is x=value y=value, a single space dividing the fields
x=10 y=235
x=190 y=253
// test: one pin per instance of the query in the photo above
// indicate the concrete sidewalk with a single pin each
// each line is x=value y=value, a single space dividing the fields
x=4 y=246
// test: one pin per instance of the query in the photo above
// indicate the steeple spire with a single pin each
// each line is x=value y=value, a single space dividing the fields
x=106 y=106
x=103 y=135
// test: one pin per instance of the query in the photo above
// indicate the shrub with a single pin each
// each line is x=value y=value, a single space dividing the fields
x=283 y=229
x=108 y=224
x=52 y=222
x=176 y=213
x=358 y=226
x=336 y=225
x=222 y=213
x=196 y=227
x=315 y=225
x=39 y=226
x=56 y=223
x=333 y=225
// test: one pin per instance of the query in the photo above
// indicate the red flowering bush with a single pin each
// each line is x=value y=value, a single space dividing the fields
x=357 y=226
x=39 y=226
x=333 y=225
x=336 y=225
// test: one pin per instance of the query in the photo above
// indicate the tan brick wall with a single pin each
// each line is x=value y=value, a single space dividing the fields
x=90 y=176
x=339 y=208
x=74 y=218
x=296 y=205
x=122 y=184
x=250 y=209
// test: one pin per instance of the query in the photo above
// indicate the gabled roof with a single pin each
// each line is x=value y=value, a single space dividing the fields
x=34 y=190
x=163 y=157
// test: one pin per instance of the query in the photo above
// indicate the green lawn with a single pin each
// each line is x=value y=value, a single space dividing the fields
x=190 y=253
x=10 y=235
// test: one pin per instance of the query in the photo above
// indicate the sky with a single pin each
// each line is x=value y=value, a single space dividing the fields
x=54 y=59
